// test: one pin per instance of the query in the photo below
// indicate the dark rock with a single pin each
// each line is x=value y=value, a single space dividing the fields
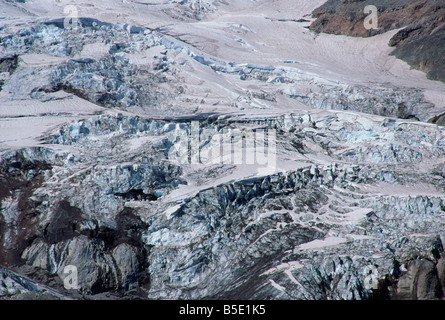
x=19 y=177
x=8 y=64
x=440 y=266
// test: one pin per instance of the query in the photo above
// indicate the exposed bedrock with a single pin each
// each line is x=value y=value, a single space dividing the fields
x=123 y=74
x=351 y=207
x=421 y=41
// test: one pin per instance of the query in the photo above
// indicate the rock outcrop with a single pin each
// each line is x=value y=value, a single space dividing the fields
x=420 y=42
x=147 y=197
